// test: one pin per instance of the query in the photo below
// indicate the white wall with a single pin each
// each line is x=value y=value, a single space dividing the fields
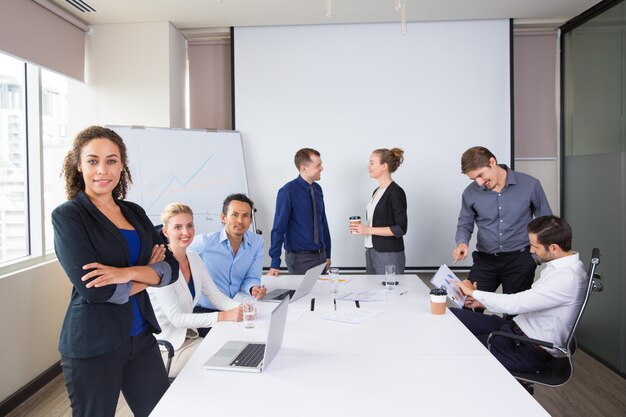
x=32 y=307
x=178 y=69
x=138 y=75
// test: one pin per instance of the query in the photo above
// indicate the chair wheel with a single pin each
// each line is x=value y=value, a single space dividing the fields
x=528 y=387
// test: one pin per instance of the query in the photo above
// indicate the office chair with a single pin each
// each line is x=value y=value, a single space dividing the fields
x=170 y=354
x=559 y=370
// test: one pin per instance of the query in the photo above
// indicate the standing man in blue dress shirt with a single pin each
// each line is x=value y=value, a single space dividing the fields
x=501 y=202
x=234 y=255
x=300 y=219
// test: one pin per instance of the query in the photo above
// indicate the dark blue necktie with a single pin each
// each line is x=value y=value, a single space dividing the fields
x=316 y=233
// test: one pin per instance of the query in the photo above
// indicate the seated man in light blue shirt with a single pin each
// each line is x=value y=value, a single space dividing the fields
x=234 y=255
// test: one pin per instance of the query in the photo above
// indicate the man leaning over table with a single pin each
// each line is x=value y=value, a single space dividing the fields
x=547 y=311
x=501 y=202
x=233 y=256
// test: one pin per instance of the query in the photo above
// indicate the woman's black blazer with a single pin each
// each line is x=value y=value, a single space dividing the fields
x=97 y=320
x=390 y=211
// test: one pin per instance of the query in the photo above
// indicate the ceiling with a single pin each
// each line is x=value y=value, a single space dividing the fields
x=185 y=14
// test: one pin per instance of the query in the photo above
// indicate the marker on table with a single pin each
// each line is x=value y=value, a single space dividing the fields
x=357 y=303
x=335 y=303
x=312 y=304
x=404 y=292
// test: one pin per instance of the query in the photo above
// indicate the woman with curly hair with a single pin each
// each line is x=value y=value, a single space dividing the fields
x=111 y=253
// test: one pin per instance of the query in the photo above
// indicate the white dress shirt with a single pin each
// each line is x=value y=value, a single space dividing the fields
x=548 y=310
x=173 y=304
x=369 y=210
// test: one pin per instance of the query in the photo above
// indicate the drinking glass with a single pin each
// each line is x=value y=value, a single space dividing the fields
x=333 y=279
x=249 y=312
x=390 y=277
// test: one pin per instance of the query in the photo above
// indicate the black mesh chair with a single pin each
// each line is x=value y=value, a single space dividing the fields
x=170 y=354
x=164 y=343
x=558 y=370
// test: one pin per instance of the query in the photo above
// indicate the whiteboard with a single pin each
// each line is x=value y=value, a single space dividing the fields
x=346 y=90
x=195 y=167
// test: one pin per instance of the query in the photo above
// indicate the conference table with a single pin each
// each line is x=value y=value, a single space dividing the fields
x=400 y=361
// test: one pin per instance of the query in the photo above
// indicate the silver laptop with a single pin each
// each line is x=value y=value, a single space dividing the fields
x=252 y=356
x=305 y=287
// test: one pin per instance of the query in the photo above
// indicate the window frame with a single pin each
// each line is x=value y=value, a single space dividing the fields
x=35 y=215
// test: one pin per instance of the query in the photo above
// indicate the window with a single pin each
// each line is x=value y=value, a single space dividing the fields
x=30 y=163
x=55 y=144
x=14 y=242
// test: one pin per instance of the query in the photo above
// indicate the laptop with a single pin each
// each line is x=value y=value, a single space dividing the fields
x=252 y=356
x=305 y=287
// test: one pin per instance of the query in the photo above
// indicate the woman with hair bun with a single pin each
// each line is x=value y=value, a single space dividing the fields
x=386 y=221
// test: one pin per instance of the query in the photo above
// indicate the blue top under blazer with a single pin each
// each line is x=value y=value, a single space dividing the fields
x=100 y=319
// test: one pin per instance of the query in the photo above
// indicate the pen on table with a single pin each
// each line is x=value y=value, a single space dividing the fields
x=357 y=303
x=312 y=304
x=335 y=303
x=403 y=292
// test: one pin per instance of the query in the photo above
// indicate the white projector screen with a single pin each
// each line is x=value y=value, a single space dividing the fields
x=346 y=90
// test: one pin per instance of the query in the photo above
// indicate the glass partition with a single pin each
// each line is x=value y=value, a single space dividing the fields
x=594 y=184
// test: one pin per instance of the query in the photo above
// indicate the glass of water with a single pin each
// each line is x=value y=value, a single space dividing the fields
x=249 y=312
x=390 y=277
x=333 y=279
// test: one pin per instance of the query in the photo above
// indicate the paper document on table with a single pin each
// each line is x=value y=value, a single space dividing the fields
x=363 y=296
x=443 y=279
x=355 y=316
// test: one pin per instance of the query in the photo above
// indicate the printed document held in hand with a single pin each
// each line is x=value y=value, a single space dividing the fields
x=443 y=279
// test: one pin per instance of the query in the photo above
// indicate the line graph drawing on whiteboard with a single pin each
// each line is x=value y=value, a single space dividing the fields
x=194 y=167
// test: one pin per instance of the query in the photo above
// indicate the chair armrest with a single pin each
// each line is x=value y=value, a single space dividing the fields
x=522 y=339
x=168 y=346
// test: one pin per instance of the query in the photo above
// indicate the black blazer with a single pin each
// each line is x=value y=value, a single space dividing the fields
x=390 y=211
x=95 y=323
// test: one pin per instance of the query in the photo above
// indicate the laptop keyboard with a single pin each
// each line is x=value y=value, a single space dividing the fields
x=251 y=356
x=284 y=295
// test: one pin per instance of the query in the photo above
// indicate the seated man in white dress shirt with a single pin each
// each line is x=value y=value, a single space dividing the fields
x=547 y=311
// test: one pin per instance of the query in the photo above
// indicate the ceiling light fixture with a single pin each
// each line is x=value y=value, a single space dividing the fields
x=401 y=7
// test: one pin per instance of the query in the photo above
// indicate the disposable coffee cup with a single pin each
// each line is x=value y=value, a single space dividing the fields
x=355 y=220
x=438 y=298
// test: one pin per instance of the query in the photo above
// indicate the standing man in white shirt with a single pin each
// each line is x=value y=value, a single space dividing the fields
x=547 y=311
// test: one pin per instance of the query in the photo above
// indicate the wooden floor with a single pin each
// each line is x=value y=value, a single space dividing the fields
x=595 y=390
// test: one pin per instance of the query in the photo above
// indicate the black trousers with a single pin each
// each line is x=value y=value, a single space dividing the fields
x=203 y=331
x=515 y=357
x=515 y=271
x=135 y=368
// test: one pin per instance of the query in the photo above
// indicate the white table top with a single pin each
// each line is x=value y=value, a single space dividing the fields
x=404 y=361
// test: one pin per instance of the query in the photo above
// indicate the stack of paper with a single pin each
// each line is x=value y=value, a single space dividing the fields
x=444 y=279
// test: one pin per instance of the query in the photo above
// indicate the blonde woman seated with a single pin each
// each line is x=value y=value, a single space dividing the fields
x=174 y=304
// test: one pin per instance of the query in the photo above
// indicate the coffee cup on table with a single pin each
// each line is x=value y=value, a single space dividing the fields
x=354 y=220
x=438 y=298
